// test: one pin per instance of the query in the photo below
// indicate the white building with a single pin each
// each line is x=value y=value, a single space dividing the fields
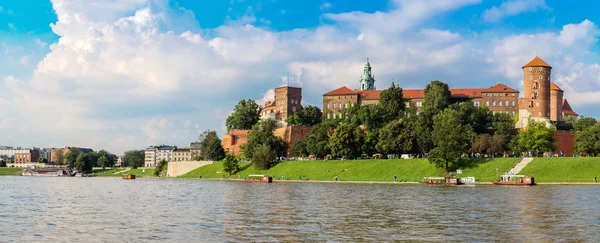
x=154 y=154
x=8 y=152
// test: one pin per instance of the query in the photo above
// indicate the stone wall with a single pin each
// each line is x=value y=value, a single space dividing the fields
x=180 y=168
x=233 y=141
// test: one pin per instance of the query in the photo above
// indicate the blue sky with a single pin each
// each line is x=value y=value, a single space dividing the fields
x=125 y=74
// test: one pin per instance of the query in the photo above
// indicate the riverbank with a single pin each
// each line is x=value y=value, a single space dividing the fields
x=579 y=169
x=10 y=171
x=405 y=170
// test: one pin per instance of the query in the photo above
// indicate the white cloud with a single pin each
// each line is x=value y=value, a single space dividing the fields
x=325 y=6
x=122 y=77
x=512 y=8
x=40 y=43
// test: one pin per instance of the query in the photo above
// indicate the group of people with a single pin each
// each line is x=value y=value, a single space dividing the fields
x=507 y=176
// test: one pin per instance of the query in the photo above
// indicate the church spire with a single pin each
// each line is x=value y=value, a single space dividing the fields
x=367 y=80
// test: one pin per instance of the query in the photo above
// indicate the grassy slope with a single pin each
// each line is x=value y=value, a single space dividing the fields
x=11 y=171
x=563 y=169
x=111 y=172
x=359 y=170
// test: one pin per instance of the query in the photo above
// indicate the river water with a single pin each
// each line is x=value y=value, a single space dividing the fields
x=35 y=209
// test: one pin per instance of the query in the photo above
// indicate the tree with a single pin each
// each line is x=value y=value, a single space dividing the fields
x=317 y=143
x=264 y=157
x=71 y=156
x=215 y=151
x=537 y=138
x=583 y=123
x=392 y=103
x=397 y=137
x=2 y=163
x=435 y=100
x=134 y=158
x=497 y=144
x=231 y=164
x=587 y=141
x=503 y=125
x=60 y=157
x=244 y=116
x=451 y=139
x=372 y=116
x=369 y=144
x=479 y=118
x=482 y=144
x=346 y=140
x=262 y=133
x=161 y=168
x=299 y=149
x=42 y=160
x=110 y=158
x=308 y=116
x=83 y=163
x=103 y=162
x=206 y=138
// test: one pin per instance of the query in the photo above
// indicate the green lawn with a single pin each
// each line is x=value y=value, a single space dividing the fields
x=10 y=171
x=360 y=170
x=111 y=172
x=580 y=169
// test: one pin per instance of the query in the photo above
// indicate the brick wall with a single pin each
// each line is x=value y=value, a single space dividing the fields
x=565 y=141
x=233 y=141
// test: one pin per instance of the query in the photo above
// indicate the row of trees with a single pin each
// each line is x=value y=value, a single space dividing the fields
x=84 y=162
x=587 y=136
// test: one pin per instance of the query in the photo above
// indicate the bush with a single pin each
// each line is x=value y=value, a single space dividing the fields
x=231 y=164
x=263 y=157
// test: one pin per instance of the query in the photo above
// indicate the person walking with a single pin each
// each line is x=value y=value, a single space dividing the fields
x=595 y=181
x=394 y=178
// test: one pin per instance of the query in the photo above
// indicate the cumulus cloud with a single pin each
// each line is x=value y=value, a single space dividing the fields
x=512 y=8
x=123 y=76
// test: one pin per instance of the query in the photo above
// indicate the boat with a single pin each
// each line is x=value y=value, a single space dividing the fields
x=515 y=180
x=435 y=180
x=259 y=179
x=129 y=177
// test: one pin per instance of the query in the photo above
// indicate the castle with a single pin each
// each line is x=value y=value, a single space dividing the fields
x=542 y=101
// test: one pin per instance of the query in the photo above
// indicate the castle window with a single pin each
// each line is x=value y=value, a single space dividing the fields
x=541 y=78
x=541 y=69
x=327 y=105
x=346 y=105
x=494 y=94
x=513 y=94
x=476 y=103
x=333 y=105
x=530 y=68
x=493 y=103
x=328 y=115
x=548 y=77
x=487 y=94
x=294 y=109
x=418 y=103
x=352 y=104
x=280 y=109
x=333 y=115
x=535 y=94
x=513 y=113
x=487 y=103
x=530 y=77
x=500 y=103
x=513 y=103
x=537 y=104
x=506 y=103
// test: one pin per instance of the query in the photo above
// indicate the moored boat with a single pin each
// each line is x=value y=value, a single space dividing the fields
x=259 y=179
x=129 y=177
x=515 y=180
x=443 y=181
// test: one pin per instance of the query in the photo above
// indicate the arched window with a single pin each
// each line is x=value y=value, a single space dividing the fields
x=487 y=103
x=346 y=105
x=328 y=115
x=333 y=115
x=494 y=103
x=327 y=105
x=333 y=105
x=506 y=103
x=513 y=104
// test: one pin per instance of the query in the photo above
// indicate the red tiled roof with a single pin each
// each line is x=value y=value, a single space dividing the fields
x=413 y=93
x=341 y=91
x=553 y=86
x=537 y=62
x=465 y=93
x=369 y=94
x=566 y=109
x=501 y=88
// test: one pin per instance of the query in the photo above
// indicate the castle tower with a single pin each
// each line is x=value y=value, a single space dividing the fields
x=556 y=97
x=535 y=104
x=288 y=100
x=367 y=80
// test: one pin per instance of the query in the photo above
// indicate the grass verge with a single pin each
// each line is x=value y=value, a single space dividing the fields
x=580 y=169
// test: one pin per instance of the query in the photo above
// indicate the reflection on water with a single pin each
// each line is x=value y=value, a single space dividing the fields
x=114 y=210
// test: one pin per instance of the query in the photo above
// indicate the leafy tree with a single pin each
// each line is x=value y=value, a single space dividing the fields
x=537 y=138
x=391 y=102
x=396 y=137
x=71 y=156
x=244 y=116
x=346 y=140
x=264 y=157
x=503 y=125
x=479 y=118
x=110 y=158
x=369 y=145
x=103 y=162
x=317 y=143
x=570 y=119
x=308 y=116
x=435 y=100
x=2 y=163
x=451 y=139
x=262 y=133
x=214 y=151
x=161 y=168
x=482 y=144
x=583 y=123
x=83 y=163
x=372 y=116
x=497 y=144
x=587 y=141
x=299 y=149
x=134 y=158
x=515 y=145
x=206 y=138
x=42 y=160
x=60 y=157
x=231 y=164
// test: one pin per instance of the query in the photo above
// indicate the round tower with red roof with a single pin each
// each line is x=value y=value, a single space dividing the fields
x=535 y=104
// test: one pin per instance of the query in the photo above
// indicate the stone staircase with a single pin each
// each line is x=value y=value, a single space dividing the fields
x=515 y=170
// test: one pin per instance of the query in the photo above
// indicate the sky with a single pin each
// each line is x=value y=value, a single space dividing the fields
x=126 y=74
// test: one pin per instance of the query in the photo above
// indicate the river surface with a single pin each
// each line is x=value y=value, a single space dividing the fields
x=36 y=209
